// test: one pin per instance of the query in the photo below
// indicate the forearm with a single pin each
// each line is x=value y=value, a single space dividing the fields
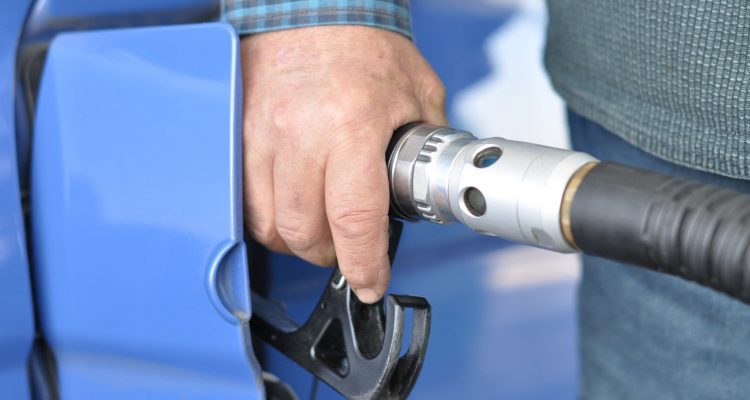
x=253 y=16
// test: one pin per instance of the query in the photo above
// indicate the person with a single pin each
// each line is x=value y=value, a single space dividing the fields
x=663 y=85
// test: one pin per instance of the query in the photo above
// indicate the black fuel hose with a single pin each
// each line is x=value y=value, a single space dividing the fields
x=697 y=231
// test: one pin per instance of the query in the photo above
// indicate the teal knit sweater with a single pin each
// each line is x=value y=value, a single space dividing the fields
x=669 y=76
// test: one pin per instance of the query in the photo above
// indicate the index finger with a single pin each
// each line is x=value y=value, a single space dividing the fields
x=357 y=207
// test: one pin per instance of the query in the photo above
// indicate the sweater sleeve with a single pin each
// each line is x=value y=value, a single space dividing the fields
x=253 y=16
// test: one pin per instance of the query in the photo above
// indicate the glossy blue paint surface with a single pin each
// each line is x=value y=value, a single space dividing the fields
x=16 y=310
x=141 y=268
x=92 y=9
x=51 y=15
x=48 y=18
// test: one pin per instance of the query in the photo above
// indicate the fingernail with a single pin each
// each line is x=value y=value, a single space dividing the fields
x=366 y=295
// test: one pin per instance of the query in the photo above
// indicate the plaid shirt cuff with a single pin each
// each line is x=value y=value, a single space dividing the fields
x=252 y=16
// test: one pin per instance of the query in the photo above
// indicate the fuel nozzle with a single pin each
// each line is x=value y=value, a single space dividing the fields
x=496 y=187
x=567 y=201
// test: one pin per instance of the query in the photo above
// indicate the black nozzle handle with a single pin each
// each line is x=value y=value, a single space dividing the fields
x=694 y=230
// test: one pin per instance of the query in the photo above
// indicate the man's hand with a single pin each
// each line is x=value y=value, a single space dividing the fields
x=321 y=104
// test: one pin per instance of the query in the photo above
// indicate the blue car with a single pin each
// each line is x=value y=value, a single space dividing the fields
x=124 y=269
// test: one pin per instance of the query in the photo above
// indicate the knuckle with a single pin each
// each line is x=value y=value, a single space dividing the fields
x=262 y=231
x=279 y=117
x=279 y=122
x=359 y=226
x=404 y=109
x=351 y=109
x=435 y=93
x=299 y=236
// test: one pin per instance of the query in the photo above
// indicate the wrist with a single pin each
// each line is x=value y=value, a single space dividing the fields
x=316 y=48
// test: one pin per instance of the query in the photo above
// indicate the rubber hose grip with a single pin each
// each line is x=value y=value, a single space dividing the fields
x=693 y=230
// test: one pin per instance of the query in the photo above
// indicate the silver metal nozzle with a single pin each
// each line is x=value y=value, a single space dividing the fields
x=496 y=187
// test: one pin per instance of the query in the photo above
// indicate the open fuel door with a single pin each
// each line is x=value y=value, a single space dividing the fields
x=140 y=266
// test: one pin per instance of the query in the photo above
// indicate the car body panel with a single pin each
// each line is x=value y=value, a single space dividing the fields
x=16 y=308
x=136 y=188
